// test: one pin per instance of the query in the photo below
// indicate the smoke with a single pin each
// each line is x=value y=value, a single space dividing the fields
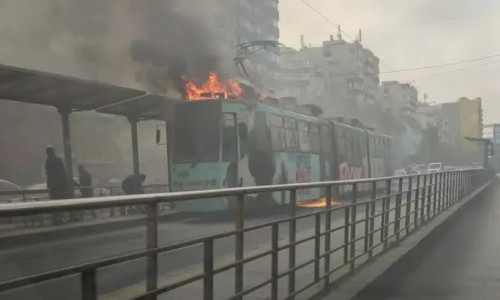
x=408 y=144
x=149 y=44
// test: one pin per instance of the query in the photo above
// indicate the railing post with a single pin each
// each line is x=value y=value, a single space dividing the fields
x=274 y=262
x=397 y=214
x=429 y=198
x=239 y=240
x=353 y=227
x=408 y=205
x=291 y=239
x=424 y=190
x=367 y=226
x=387 y=206
x=436 y=195
x=372 y=217
x=462 y=186
x=417 y=196
x=328 y=219
x=346 y=233
x=208 y=270
x=317 y=243
x=89 y=285
x=152 y=243
x=443 y=191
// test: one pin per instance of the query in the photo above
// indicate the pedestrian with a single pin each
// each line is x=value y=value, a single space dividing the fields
x=57 y=181
x=132 y=185
x=86 y=185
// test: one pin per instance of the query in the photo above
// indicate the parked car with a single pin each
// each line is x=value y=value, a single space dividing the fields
x=435 y=167
x=400 y=172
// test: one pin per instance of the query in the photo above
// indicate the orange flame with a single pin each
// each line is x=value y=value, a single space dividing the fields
x=213 y=89
x=318 y=203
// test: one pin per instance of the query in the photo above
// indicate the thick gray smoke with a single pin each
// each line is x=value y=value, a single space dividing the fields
x=152 y=43
x=147 y=44
x=408 y=144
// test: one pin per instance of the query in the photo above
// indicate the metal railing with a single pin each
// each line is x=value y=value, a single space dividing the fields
x=101 y=191
x=43 y=194
x=369 y=226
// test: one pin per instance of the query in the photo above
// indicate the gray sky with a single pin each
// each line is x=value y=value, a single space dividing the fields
x=414 y=33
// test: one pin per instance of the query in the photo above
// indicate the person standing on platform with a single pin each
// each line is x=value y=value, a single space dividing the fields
x=132 y=185
x=86 y=185
x=57 y=181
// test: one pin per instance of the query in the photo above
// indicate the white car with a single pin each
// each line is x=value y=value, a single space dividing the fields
x=7 y=186
x=435 y=167
x=400 y=172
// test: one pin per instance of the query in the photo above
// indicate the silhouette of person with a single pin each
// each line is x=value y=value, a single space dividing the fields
x=57 y=181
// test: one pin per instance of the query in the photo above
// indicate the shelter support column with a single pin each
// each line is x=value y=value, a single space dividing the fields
x=68 y=155
x=135 y=145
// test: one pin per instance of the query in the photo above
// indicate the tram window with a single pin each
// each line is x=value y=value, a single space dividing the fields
x=197 y=133
x=325 y=140
x=357 y=144
x=304 y=142
x=378 y=147
x=372 y=146
x=362 y=144
x=262 y=134
x=340 y=141
x=277 y=132
x=229 y=138
x=313 y=128
x=314 y=138
x=348 y=141
x=291 y=135
x=243 y=136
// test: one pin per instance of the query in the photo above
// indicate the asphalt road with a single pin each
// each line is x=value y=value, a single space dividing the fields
x=461 y=261
x=22 y=261
x=51 y=255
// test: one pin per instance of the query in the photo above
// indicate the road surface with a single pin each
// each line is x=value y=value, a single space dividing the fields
x=460 y=262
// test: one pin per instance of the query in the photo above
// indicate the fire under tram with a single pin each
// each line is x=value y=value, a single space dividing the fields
x=221 y=139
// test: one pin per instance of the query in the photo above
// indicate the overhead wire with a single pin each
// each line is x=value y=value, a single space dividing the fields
x=319 y=13
x=392 y=71
x=456 y=70
x=441 y=65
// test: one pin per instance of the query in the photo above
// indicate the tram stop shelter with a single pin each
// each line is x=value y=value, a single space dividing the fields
x=142 y=108
x=67 y=95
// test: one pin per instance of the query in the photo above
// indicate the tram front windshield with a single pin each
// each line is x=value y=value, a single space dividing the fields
x=197 y=132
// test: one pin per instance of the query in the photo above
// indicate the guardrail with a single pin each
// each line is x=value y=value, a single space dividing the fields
x=106 y=190
x=43 y=194
x=384 y=219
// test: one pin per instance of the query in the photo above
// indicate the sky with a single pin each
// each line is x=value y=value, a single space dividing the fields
x=414 y=33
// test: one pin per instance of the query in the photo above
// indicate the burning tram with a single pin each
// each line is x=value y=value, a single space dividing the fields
x=223 y=143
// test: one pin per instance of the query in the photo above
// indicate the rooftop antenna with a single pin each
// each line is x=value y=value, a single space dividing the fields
x=360 y=37
x=339 y=32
